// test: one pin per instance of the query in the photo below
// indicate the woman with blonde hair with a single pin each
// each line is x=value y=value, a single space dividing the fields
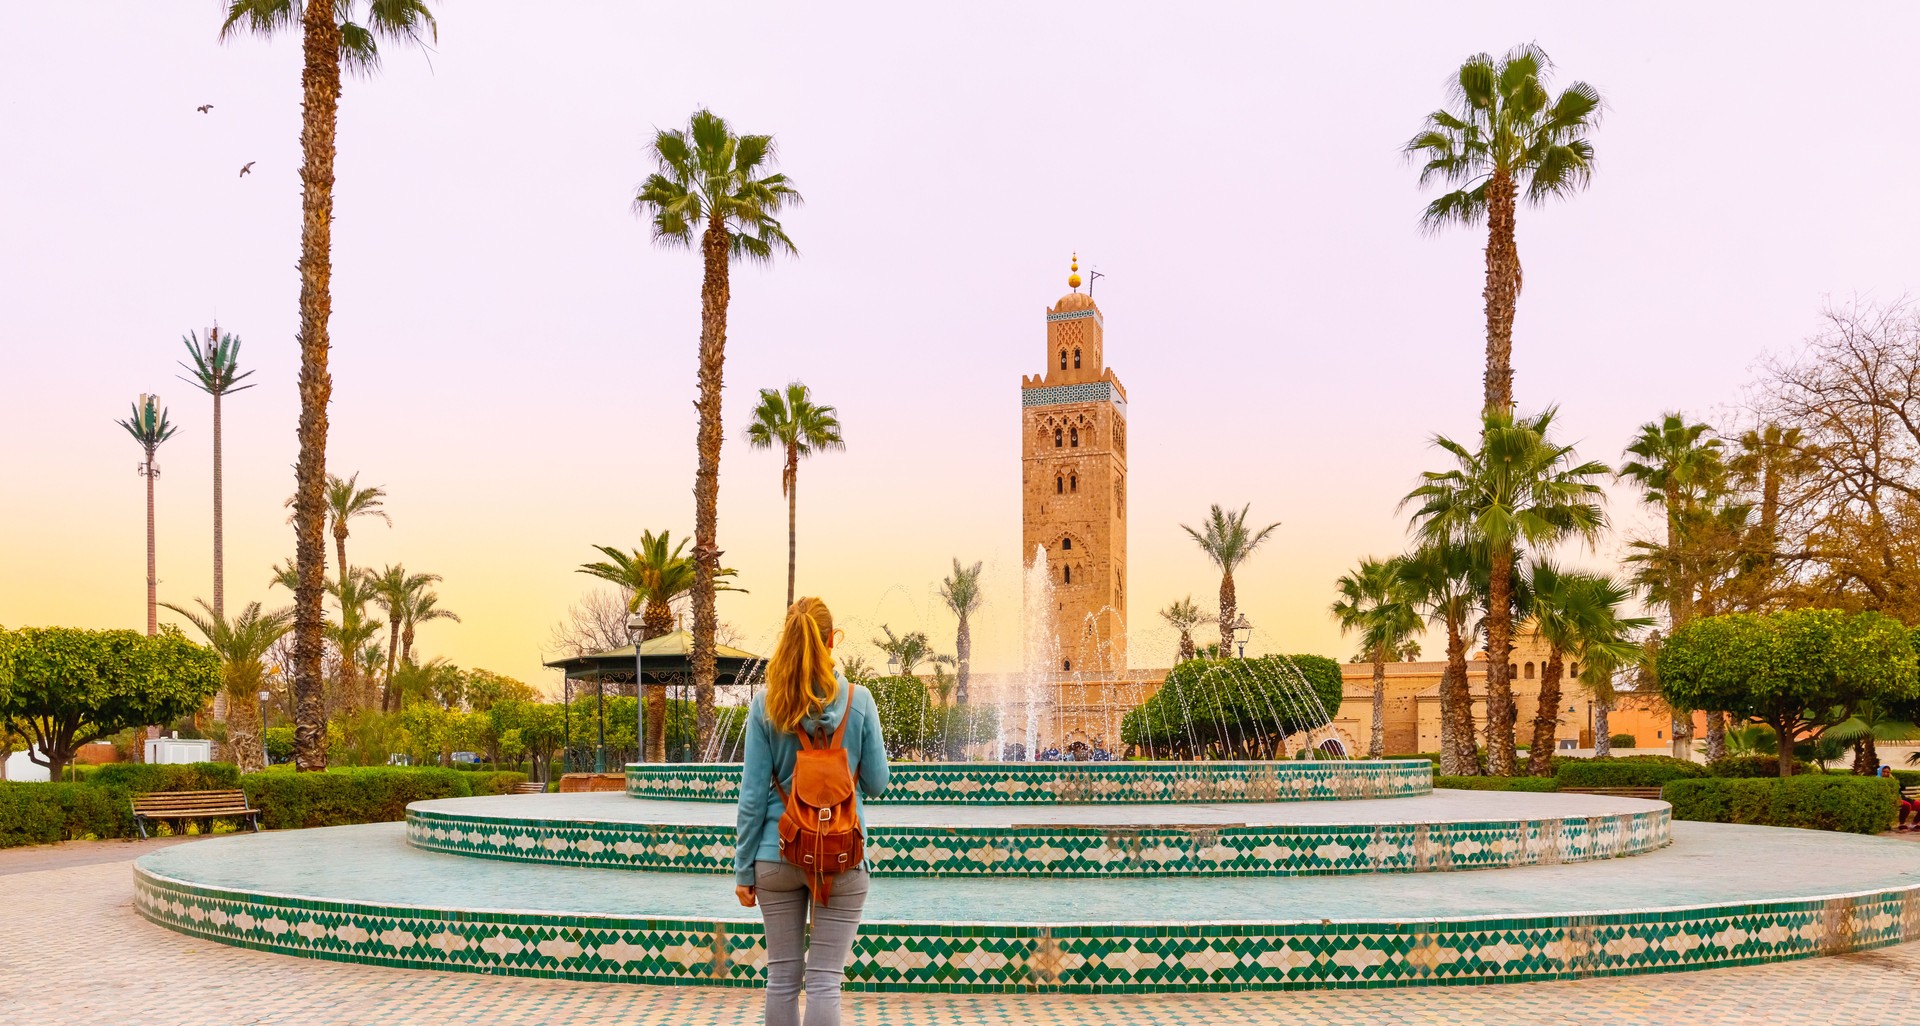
x=813 y=740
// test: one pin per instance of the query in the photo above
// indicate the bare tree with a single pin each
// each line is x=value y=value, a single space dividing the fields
x=594 y=624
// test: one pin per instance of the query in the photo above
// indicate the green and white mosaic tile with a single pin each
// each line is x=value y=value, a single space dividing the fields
x=1083 y=783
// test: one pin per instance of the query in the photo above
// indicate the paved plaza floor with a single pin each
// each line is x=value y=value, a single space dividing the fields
x=72 y=951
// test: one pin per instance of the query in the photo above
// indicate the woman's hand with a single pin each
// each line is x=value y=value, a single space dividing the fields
x=745 y=894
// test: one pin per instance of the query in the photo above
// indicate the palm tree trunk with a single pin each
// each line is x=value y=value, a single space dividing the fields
x=153 y=577
x=219 y=523
x=656 y=621
x=714 y=295
x=1602 y=733
x=1229 y=607
x=390 y=698
x=1502 y=291
x=1499 y=652
x=1546 y=718
x=243 y=726
x=963 y=659
x=1716 y=736
x=1459 y=711
x=320 y=95
x=1377 y=744
x=793 y=486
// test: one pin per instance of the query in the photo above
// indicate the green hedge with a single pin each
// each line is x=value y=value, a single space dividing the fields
x=142 y=778
x=495 y=781
x=1496 y=783
x=44 y=813
x=1859 y=805
x=371 y=794
x=1630 y=771
x=1624 y=741
x=1745 y=766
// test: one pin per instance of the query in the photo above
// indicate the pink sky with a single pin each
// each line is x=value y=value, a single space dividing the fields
x=513 y=361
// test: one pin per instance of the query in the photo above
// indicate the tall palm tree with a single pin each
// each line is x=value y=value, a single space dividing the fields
x=961 y=593
x=1575 y=614
x=242 y=644
x=1503 y=134
x=396 y=590
x=796 y=425
x=1224 y=537
x=1519 y=488
x=715 y=184
x=149 y=426
x=1377 y=603
x=350 y=633
x=216 y=371
x=331 y=38
x=1444 y=580
x=346 y=500
x=422 y=607
x=653 y=576
x=1678 y=467
x=1183 y=616
x=1770 y=456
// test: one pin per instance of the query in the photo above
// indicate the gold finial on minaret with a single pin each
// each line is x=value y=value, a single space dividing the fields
x=1073 y=280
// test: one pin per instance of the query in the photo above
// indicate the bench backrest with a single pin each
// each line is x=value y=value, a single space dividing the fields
x=171 y=803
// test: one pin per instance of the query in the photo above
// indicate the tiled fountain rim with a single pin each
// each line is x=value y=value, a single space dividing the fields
x=1060 y=783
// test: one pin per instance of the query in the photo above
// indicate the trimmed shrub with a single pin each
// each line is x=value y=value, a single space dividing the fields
x=495 y=781
x=45 y=813
x=1497 y=783
x=1624 y=741
x=143 y=778
x=370 y=794
x=1858 y=805
x=1631 y=771
x=1745 y=766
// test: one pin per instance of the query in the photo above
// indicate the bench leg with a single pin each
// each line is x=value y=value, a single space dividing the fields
x=140 y=822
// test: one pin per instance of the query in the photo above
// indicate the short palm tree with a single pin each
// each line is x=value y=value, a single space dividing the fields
x=423 y=607
x=396 y=590
x=1183 y=616
x=1376 y=603
x=334 y=35
x=1518 y=488
x=799 y=427
x=909 y=650
x=349 y=634
x=242 y=644
x=1502 y=135
x=1444 y=580
x=149 y=426
x=216 y=371
x=716 y=185
x=961 y=593
x=1227 y=542
x=347 y=501
x=1770 y=456
x=1575 y=614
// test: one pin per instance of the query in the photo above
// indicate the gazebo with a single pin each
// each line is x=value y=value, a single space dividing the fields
x=664 y=662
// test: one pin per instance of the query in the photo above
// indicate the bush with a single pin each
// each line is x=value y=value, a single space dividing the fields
x=45 y=813
x=1233 y=708
x=1624 y=741
x=1858 y=805
x=1631 y=771
x=494 y=781
x=372 y=794
x=142 y=778
x=1497 y=783
x=1745 y=766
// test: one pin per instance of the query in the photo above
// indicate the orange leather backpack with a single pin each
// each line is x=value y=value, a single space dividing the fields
x=820 y=827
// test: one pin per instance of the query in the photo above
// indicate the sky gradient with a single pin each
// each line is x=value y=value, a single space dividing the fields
x=514 y=361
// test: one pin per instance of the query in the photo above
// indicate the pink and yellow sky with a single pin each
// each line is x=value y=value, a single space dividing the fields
x=513 y=360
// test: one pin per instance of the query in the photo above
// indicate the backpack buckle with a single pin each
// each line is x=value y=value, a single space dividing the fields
x=825 y=815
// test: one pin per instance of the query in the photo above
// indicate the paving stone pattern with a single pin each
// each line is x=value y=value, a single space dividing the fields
x=54 y=977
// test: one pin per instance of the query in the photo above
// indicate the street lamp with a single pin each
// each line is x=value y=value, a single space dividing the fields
x=635 y=630
x=600 y=719
x=1242 y=633
x=893 y=665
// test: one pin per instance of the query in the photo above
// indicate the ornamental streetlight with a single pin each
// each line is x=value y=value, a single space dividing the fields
x=635 y=630
x=893 y=664
x=1242 y=633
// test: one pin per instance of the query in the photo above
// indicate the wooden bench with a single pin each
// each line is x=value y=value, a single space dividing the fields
x=530 y=787
x=1616 y=792
x=180 y=806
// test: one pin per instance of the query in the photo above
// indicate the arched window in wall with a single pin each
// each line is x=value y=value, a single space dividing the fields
x=1528 y=670
x=1073 y=438
x=1056 y=438
x=1066 y=544
x=1573 y=669
x=1073 y=482
x=1076 y=359
x=1066 y=575
x=1063 y=359
x=1066 y=664
x=1059 y=486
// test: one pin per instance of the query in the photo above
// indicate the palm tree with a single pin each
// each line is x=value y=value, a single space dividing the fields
x=350 y=633
x=1872 y=721
x=1678 y=468
x=242 y=644
x=1770 y=455
x=1576 y=614
x=1183 y=616
x=346 y=500
x=1444 y=580
x=1503 y=133
x=330 y=40
x=909 y=650
x=1376 y=602
x=396 y=591
x=423 y=608
x=1225 y=539
x=216 y=371
x=713 y=183
x=961 y=593
x=1518 y=488
x=797 y=426
x=149 y=426
x=652 y=577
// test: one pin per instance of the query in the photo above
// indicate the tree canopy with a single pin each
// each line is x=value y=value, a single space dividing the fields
x=1238 y=707
x=62 y=687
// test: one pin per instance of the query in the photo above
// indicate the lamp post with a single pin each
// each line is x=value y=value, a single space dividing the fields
x=265 y=697
x=600 y=719
x=636 y=630
x=1242 y=633
x=893 y=665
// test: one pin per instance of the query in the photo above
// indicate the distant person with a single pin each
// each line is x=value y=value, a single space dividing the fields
x=813 y=743
x=1909 y=818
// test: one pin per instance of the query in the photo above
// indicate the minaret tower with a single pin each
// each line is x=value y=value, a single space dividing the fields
x=1073 y=426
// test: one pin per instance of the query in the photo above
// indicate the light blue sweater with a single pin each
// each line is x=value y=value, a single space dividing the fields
x=769 y=747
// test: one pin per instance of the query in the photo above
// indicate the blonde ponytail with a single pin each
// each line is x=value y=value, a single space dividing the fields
x=800 y=680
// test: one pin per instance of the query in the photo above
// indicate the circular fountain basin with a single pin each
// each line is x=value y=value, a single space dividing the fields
x=1719 y=895
x=1080 y=783
x=1444 y=830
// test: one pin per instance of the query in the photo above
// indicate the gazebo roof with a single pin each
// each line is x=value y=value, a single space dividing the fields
x=665 y=656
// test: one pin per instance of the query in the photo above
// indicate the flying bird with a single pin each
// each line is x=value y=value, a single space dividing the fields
x=247 y=169
x=203 y=108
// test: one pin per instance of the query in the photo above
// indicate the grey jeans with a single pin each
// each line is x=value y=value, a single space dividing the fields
x=793 y=958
